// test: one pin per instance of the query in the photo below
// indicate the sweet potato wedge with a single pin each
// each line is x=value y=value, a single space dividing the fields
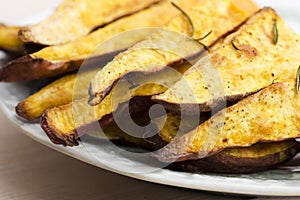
x=62 y=123
x=65 y=124
x=61 y=91
x=269 y=115
x=259 y=157
x=58 y=60
x=166 y=47
x=76 y=18
x=57 y=93
x=9 y=40
x=74 y=87
x=245 y=62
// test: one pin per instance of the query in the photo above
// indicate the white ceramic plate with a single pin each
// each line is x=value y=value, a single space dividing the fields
x=270 y=183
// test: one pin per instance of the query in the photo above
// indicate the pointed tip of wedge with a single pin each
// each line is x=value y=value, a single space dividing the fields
x=8 y=71
x=92 y=96
x=95 y=97
x=71 y=140
x=24 y=35
x=22 y=111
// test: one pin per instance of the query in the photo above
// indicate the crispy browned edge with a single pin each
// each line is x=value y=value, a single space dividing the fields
x=72 y=138
x=160 y=155
x=224 y=163
x=20 y=109
x=27 y=68
x=136 y=104
x=189 y=108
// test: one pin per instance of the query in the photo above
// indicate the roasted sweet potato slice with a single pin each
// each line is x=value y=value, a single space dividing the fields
x=269 y=115
x=65 y=124
x=61 y=123
x=58 y=60
x=245 y=62
x=259 y=157
x=57 y=93
x=76 y=18
x=61 y=91
x=165 y=47
x=9 y=40
x=74 y=87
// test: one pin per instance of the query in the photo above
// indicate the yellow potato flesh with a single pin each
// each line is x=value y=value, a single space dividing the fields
x=76 y=18
x=233 y=73
x=94 y=44
x=163 y=48
x=9 y=39
x=270 y=115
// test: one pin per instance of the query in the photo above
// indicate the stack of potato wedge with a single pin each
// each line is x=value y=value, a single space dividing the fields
x=225 y=71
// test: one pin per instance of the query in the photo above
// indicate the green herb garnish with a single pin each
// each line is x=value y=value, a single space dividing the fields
x=298 y=80
x=275 y=32
x=202 y=38
x=204 y=46
x=188 y=18
x=205 y=36
x=234 y=46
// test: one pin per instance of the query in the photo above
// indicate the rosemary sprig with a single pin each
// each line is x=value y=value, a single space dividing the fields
x=204 y=46
x=275 y=32
x=298 y=81
x=234 y=46
x=205 y=36
x=188 y=18
x=202 y=38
